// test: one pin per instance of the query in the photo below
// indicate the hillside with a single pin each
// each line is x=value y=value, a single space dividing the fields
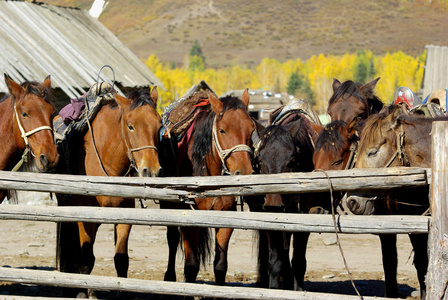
x=235 y=31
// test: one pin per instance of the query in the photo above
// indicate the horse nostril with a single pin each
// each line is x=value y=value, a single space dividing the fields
x=43 y=160
x=145 y=172
x=352 y=204
x=238 y=172
x=159 y=172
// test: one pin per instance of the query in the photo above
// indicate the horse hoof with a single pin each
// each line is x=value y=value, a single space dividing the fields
x=170 y=276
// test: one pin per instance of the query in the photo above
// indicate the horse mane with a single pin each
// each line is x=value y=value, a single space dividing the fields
x=139 y=98
x=351 y=88
x=36 y=88
x=202 y=134
x=373 y=124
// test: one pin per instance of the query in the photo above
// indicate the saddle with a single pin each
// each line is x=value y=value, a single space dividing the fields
x=295 y=106
x=72 y=119
x=179 y=116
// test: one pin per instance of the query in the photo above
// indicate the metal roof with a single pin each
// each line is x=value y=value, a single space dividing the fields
x=37 y=40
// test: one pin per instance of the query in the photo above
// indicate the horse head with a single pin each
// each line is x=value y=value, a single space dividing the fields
x=336 y=145
x=352 y=100
x=391 y=138
x=140 y=125
x=231 y=134
x=33 y=127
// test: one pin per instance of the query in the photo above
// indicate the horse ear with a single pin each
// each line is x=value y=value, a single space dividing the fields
x=367 y=89
x=215 y=103
x=154 y=95
x=14 y=88
x=336 y=84
x=47 y=82
x=123 y=102
x=245 y=98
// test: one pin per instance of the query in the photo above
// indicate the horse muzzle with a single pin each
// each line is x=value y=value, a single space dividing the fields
x=361 y=205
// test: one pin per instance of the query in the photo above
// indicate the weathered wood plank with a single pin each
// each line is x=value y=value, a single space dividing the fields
x=184 y=188
x=55 y=278
x=437 y=277
x=225 y=219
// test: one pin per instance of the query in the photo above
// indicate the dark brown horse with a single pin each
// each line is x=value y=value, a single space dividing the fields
x=395 y=139
x=287 y=147
x=26 y=129
x=352 y=100
x=220 y=144
x=124 y=135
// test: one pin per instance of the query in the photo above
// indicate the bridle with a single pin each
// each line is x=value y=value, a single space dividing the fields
x=400 y=152
x=25 y=136
x=132 y=150
x=223 y=154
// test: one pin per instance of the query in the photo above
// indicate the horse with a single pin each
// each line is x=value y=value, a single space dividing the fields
x=219 y=144
x=396 y=139
x=295 y=140
x=353 y=100
x=26 y=127
x=123 y=137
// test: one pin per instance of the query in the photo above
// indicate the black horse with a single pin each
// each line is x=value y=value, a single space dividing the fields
x=287 y=147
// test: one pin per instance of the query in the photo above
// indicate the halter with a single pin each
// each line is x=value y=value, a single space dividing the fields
x=25 y=136
x=223 y=154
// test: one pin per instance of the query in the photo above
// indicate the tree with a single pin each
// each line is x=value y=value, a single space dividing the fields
x=196 y=50
x=298 y=86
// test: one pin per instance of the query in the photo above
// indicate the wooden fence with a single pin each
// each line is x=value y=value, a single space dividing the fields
x=187 y=188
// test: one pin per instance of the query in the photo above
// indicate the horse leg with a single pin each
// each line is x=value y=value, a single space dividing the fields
x=279 y=267
x=173 y=237
x=420 y=245
x=190 y=236
x=390 y=262
x=220 y=264
x=2 y=195
x=87 y=234
x=121 y=258
x=263 y=256
x=298 y=262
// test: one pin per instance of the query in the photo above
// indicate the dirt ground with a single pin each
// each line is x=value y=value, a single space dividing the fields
x=29 y=244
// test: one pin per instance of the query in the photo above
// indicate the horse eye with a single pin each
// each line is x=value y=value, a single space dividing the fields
x=361 y=116
x=130 y=127
x=221 y=131
x=24 y=114
x=372 y=152
x=336 y=163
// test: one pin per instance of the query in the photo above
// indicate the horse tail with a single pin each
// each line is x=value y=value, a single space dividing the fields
x=263 y=256
x=68 y=247
x=204 y=246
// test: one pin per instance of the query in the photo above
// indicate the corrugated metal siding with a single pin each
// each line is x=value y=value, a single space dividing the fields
x=436 y=69
x=37 y=40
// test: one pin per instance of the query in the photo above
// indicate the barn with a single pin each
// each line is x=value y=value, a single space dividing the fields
x=69 y=44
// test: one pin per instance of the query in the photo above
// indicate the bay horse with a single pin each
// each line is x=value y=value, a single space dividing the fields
x=26 y=130
x=220 y=144
x=353 y=100
x=396 y=139
x=123 y=136
x=287 y=147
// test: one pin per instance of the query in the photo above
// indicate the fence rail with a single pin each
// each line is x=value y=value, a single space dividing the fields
x=187 y=188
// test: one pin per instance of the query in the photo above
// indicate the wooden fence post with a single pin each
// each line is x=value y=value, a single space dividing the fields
x=437 y=276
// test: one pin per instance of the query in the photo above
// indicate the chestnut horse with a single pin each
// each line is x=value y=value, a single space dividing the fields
x=294 y=140
x=219 y=145
x=26 y=127
x=352 y=100
x=124 y=135
x=395 y=139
